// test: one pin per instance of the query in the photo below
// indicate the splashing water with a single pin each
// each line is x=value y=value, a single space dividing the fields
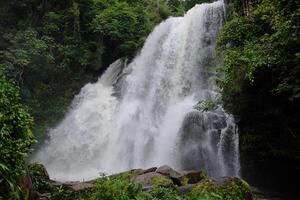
x=143 y=115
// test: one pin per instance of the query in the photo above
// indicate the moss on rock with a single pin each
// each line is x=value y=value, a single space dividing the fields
x=232 y=189
x=161 y=181
x=130 y=185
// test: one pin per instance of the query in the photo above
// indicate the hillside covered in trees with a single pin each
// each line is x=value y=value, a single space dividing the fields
x=260 y=83
x=50 y=49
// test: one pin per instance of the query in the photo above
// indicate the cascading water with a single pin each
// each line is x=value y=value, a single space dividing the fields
x=144 y=115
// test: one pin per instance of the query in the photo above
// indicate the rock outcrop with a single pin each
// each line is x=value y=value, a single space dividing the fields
x=185 y=182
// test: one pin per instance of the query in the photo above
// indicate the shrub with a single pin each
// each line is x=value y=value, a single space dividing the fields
x=15 y=137
x=117 y=188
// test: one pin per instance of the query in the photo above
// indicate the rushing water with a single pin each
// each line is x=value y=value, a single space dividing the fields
x=144 y=115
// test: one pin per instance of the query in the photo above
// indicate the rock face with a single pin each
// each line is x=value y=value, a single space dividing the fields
x=174 y=175
x=168 y=171
x=152 y=169
x=185 y=182
x=204 y=128
x=147 y=178
x=76 y=186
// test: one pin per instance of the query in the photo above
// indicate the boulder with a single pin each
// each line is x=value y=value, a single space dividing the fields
x=150 y=179
x=175 y=176
x=152 y=169
x=146 y=179
x=75 y=185
x=168 y=171
x=132 y=172
x=193 y=177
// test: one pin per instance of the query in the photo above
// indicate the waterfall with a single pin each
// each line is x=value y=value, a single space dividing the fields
x=145 y=114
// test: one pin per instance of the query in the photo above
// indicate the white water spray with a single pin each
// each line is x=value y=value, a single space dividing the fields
x=151 y=121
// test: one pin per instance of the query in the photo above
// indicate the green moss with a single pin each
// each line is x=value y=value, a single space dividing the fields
x=233 y=189
x=205 y=187
x=184 y=181
x=161 y=181
x=195 y=177
x=205 y=105
x=236 y=189
x=121 y=187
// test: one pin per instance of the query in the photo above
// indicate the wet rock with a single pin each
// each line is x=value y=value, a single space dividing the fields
x=221 y=181
x=168 y=171
x=76 y=185
x=132 y=172
x=146 y=179
x=175 y=176
x=152 y=169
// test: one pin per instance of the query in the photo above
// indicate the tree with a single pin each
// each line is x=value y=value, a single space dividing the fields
x=260 y=86
x=15 y=137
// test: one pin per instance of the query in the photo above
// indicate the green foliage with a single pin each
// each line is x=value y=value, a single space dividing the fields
x=234 y=189
x=236 y=32
x=39 y=178
x=52 y=48
x=121 y=187
x=258 y=41
x=117 y=22
x=188 y=4
x=123 y=25
x=163 y=189
x=206 y=105
x=165 y=193
x=158 y=182
x=62 y=192
x=118 y=188
x=260 y=84
x=205 y=188
x=42 y=184
x=49 y=50
x=15 y=137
